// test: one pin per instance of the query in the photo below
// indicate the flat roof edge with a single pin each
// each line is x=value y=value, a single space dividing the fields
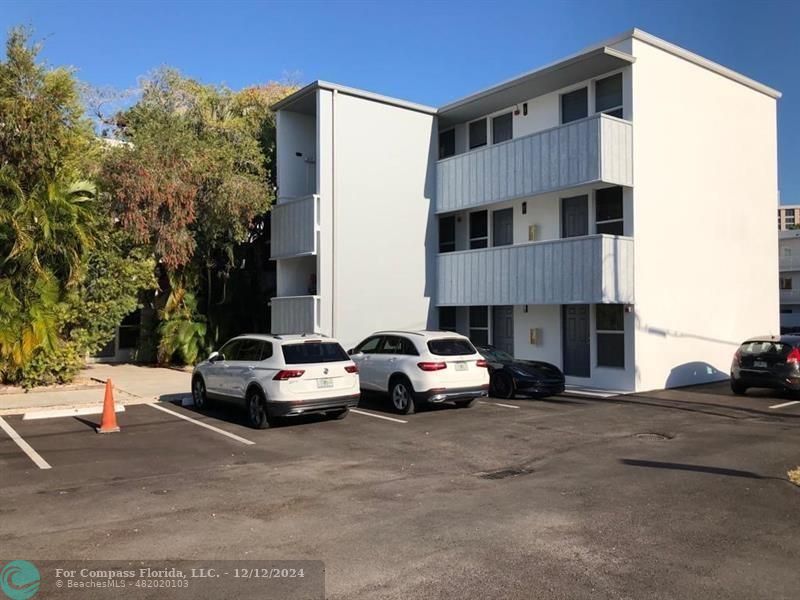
x=350 y=91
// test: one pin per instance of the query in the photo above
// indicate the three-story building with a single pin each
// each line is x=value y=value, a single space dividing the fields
x=589 y=213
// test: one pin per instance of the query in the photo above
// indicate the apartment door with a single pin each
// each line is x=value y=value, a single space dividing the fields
x=503 y=227
x=575 y=339
x=503 y=328
x=574 y=216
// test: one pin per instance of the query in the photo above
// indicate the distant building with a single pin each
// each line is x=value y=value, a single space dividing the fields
x=788 y=216
x=789 y=267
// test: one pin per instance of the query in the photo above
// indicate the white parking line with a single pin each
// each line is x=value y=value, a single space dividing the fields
x=785 y=404
x=24 y=446
x=233 y=436
x=68 y=412
x=498 y=404
x=369 y=414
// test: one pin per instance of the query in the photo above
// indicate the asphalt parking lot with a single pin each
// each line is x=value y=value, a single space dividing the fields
x=674 y=494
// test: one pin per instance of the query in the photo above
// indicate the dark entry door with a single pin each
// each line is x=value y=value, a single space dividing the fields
x=503 y=328
x=575 y=333
x=503 y=227
x=574 y=216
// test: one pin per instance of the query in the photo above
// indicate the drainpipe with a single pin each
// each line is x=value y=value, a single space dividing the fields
x=333 y=212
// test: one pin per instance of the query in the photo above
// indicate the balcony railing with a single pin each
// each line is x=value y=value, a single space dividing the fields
x=595 y=149
x=789 y=263
x=295 y=314
x=584 y=270
x=295 y=224
x=790 y=297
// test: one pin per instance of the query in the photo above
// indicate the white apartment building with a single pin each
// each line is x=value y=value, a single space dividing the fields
x=788 y=216
x=610 y=213
x=789 y=282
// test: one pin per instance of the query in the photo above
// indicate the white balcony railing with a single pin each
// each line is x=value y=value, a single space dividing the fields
x=295 y=314
x=295 y=224
x=789 y=263
x=596 y=149
x=583 y=270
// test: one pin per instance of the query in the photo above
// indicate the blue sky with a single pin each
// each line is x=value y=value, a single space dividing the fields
x=428 y=52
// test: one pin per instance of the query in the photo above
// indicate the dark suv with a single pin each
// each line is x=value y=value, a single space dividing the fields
x=767 y=362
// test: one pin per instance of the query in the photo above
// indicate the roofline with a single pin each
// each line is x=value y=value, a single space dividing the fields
x=675 y=50
x=514 y=81
x=343 y=89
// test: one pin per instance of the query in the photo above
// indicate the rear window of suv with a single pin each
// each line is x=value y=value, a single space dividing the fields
x=450 y=347
x=313 y=352
x=758 y=348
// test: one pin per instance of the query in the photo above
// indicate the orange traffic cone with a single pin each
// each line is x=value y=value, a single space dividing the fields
x=109 y=422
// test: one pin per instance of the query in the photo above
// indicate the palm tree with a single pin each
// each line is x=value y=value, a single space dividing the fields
x=45 y=237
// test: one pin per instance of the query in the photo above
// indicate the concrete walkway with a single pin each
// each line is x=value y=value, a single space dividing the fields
x=133 y=384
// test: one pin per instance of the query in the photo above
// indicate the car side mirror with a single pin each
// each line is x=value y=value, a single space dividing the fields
x=215 y=356
x=351 y=351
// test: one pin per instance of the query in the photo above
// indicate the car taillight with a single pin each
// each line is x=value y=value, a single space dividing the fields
x=285 y=374
x=737 y=358
x=794 y=357
x=432 y=366
x=351 y=369
x=482 y=363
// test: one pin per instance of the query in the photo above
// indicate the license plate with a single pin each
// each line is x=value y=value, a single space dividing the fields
x=460 y=366
x=760 y=364
x=325 y=383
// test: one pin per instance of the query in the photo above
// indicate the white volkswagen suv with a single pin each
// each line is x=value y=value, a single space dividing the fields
x=421 y=366
x=279 y=375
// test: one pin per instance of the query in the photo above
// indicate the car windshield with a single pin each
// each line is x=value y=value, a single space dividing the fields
x=450 y=347
x=766 y=347
x=496 y=355
x=313 y=352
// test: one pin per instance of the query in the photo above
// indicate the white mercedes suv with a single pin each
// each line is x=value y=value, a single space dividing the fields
x=279 y=375
x=415 y=367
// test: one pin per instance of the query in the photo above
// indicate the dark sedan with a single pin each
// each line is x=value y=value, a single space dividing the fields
x=767 y=362
x=510 y=376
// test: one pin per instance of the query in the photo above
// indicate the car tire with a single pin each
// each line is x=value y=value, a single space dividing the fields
x=738 y=388
x=256 y=405
x=402 y=396
x=502 y=386
x=199 y=393
x=466 y=403
x=338 y=415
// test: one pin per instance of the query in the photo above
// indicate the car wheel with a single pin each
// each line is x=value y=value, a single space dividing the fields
x=466 y=403
x=502 y=386
x=256 y=410
x=339 y=414
x=199 y=395
x=402 y=395
x=738 y=388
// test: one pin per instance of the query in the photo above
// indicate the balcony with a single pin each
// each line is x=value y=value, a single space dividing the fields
x=295 y=314
x=596 y=149
x=295 y=223
x=789 y=263
x=585 y=270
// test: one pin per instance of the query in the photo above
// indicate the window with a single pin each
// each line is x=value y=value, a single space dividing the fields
x=478 y=230
x=790 y=218
x=447 y=143
x=447 y=318
x=230 y=351
x=479 y=325
x=477 y=134
x=608 y=95
x=608 y=211
x=253 y=350
x=313 y=352
x=368 y=346
x=129 y=331
x=574 y=105
x=610 y=325
x=786 y=283
x=398 y=345
x=502 y=128
x=450 y=347
x=447 y=234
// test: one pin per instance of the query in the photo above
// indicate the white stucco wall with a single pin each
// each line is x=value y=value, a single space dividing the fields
x=705 y=200
x=385 y=235
x=296 y=132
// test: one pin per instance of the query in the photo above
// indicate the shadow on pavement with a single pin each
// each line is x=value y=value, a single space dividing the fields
x=654 y=464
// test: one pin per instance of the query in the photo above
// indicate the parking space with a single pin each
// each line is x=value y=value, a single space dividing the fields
x=583 y=493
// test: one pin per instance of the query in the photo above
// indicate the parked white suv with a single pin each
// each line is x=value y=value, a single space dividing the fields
x=279 y=375
x=421 y=366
